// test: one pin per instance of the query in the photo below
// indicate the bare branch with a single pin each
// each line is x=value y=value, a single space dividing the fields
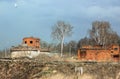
x=61 y=30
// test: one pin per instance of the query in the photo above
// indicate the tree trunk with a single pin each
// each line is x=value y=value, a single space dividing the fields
x=62 y=41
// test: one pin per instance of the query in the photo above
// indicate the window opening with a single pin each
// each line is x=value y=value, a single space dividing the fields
x=31 y=42
x=83 y=54
x=25 y=42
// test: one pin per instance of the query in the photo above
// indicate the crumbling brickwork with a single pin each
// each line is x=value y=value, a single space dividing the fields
x=98 y=53
x=32 y=42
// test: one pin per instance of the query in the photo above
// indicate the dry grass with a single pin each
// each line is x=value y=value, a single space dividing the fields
x=63 y=76
x=59 y=76
x=45 y=68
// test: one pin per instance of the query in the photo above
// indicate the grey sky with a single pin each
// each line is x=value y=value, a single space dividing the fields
x=24 y=18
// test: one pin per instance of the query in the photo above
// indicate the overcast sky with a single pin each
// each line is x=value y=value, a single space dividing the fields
x=24 y=18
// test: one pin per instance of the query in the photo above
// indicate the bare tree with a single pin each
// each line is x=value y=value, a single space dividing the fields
x=44 y=44
x=85 y=41
x=113 y=38
x=119 y=41
x=102 y=33
x=72 y=47
x=61 y=30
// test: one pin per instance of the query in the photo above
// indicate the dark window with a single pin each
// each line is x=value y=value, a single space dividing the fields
x=116 y=56
x=115 y=48
x=31 y=42
x=83 y=54
x=25 y=42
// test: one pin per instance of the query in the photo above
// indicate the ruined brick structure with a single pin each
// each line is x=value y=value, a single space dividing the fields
x=32 y=42
x=99 y=53
x=30 y=48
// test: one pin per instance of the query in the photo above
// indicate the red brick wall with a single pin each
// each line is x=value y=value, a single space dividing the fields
x=99 y=54
x=31 y=41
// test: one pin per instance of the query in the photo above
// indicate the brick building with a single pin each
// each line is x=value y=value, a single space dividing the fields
x=32 y=42
x=98 y=53
x=30 y=48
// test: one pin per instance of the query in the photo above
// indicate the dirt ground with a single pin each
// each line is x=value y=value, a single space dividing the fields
x=54 y=67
